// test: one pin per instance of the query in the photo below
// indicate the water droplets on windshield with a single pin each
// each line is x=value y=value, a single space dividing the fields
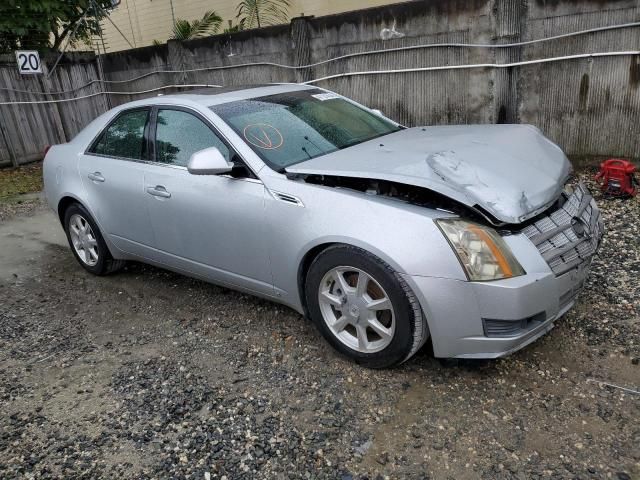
x=292 y=127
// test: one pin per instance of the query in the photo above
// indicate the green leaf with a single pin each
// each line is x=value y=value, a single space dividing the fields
x=207 y=25
x=258 y=13
x=47 y=24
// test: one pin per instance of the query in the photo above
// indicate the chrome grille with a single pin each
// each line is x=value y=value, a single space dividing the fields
x=569 y=235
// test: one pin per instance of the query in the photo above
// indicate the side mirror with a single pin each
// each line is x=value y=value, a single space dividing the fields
x=377 y=112
x=208 y=162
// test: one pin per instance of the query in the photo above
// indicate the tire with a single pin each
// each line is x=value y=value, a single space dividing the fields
x=100 y=261
x=377 y=322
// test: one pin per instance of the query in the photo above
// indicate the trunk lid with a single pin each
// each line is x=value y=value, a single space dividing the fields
x=511 y=171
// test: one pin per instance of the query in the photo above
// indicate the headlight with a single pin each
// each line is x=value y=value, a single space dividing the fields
x=482 y=252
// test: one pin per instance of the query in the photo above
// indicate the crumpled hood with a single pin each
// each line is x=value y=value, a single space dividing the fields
x=511 y=171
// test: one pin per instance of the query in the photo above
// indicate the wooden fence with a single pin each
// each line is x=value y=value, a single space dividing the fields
x=26 y=129
x=589 y=106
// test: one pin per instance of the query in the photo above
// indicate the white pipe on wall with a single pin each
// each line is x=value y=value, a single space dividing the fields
x=369 y=52
x=351 y=74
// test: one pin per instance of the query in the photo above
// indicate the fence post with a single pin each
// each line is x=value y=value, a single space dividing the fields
x=300 y=37
x=508 y=22
x=7 y=144
x=176 y=58
x=45 y=84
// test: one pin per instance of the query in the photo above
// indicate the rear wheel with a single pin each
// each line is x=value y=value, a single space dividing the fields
x=363 y=308
x=86 y=242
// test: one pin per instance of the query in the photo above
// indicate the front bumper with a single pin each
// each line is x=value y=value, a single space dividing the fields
x=493 y=319
x=457 y=311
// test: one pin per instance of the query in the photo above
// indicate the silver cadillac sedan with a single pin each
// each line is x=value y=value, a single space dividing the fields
x=472 y=237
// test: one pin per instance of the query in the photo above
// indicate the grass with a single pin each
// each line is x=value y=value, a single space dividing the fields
x=16 y=181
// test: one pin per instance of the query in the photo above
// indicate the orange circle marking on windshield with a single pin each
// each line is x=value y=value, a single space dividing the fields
x=263 y=135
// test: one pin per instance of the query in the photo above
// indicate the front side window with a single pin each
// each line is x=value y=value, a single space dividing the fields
x=180 y=134
x=292 y=127
x=124 y=138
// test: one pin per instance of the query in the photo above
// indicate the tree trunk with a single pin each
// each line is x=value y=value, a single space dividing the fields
x=58 y=39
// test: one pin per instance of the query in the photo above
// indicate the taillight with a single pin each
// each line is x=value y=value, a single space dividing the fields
x=46 y=149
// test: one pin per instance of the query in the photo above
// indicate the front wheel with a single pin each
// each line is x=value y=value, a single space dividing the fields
x=86 y=242
x=364 y=308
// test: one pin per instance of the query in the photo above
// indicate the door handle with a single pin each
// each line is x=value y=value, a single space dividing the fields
x=96 y=177
x=158 y=191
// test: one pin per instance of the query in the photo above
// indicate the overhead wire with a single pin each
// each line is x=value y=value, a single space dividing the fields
x=475 y=65
x=108 y=17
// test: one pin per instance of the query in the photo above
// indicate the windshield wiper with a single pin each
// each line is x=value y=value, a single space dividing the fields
x=359 y=140
x=312 y=143
x=308 y=154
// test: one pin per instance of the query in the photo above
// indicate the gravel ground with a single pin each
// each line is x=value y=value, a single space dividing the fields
x=23 y=205
x=148 y=374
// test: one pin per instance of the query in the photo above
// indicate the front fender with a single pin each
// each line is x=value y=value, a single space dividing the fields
x=402 y=235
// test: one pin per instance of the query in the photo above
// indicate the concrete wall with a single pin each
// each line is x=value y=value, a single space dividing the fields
x=590 y=107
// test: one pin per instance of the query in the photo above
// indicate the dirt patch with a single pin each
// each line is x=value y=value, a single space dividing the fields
x=17 y=181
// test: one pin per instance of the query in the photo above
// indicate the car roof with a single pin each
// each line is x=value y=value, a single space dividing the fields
x=209 y=96
x=203 y=97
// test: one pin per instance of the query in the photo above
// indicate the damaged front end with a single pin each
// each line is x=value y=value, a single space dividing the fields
x=412 y=194
x=522 y=231
x=566 y=233
x=505 y=174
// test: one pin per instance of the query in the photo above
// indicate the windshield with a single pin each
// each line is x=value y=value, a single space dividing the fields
x=292 y=127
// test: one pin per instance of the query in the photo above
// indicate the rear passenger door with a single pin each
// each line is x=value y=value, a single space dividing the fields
x=209 y=225
x=112 y=172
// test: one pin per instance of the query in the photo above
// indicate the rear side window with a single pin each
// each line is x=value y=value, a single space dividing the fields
x=124 y=138
x=180 y=134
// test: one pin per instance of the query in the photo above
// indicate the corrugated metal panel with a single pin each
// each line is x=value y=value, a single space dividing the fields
x=590 y=107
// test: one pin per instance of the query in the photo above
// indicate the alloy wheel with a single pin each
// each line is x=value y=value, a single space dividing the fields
x=356 y=309
x=83 y=239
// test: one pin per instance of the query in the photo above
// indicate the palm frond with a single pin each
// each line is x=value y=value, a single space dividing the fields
x=258 y=13
x=182 y=30
x=186 y=30
x=209 y=23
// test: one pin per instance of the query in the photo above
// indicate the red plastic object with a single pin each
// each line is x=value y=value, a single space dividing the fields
x=616 y=178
